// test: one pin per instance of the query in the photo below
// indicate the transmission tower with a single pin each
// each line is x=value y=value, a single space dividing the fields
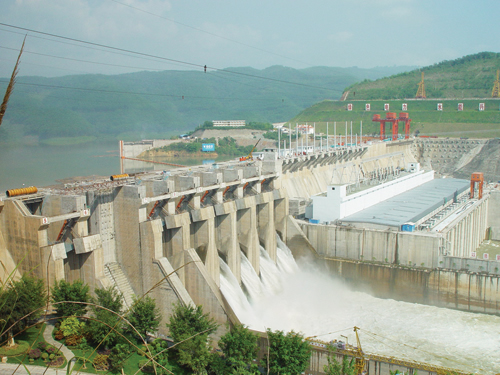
x=496 y=87
x=421 y=89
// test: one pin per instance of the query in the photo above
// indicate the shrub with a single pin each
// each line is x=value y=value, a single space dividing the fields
x=72 y=326
x=73 y=340
x=52 y=356
x=101 y=362
x=57 y=362
x=104 y=352
x=35 y=353
x=31 y=361
x=45 y=356
x=59 y=335
x=41 y=345
x=50 y=349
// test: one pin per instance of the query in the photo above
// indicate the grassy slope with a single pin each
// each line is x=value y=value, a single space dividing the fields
x=469 y=77
x=425 y=117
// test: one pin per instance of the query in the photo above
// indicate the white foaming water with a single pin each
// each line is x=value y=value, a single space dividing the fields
x=250 y=279
x=285 y=260
x=316 y=304
x=269 y=273
x=234 y=295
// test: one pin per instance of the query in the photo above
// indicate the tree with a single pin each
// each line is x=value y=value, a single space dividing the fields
x=118 y=356
x=208 y=124
x=348 y=367
x=239 y=346
x=20 y=302
x=217 y=365
x=76 y=292
x=105 y=327
x=189 y=329
x=288 y=354
x=109 y=298
x=144 y=315
x=159 y=356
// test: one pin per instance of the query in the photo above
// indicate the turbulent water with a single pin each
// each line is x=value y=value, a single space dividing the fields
x=307 y=301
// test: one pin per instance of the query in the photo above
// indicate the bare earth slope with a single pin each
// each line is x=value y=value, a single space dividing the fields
x=486 y=161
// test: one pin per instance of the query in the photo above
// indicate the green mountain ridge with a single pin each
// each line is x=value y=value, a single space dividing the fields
x=168 y=102
x=468 y=80
x=470 y=76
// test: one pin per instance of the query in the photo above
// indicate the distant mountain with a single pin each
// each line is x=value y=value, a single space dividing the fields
x=169 y=101
x=470 y=76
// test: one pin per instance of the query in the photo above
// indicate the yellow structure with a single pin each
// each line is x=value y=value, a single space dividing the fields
x=421 y=89
x=496 y=87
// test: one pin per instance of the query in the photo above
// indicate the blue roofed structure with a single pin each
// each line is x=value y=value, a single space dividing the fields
x=410 y=206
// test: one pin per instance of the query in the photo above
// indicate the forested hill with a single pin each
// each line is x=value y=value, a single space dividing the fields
x=471 y=76
x=146 y=104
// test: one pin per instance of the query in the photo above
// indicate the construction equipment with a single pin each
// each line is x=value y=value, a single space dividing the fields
x=495 y=93
x=362 y=359
x=249 y=156
x=360 y=356
x=421 y=89
x=477 y=177
x=394 y=121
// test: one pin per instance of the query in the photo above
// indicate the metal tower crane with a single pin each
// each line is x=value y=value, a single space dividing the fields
x=495 y=93
x=421 y=89
x=360 y=356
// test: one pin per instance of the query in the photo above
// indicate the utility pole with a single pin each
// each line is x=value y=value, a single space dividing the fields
x=335 y=133
x=327 y=136
x=314 y=138
x=297 y=138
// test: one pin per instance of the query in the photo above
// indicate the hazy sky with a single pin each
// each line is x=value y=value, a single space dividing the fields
x=229 y=33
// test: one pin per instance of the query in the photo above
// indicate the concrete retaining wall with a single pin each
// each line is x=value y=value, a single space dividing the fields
x=360 y=244
x=461 y=290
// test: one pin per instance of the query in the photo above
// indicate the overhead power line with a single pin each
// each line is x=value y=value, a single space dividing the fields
x=88 y=47
x=176 y=96
x=209 y=33
x=84 y=61
x=168 y=59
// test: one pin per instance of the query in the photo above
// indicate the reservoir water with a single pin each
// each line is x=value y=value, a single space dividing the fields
x=307 y=301
x=43 y=165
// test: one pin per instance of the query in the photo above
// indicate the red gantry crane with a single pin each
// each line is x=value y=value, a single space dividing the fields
x=391 y=118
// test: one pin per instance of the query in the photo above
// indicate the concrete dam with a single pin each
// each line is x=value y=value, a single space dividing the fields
x=178 y=234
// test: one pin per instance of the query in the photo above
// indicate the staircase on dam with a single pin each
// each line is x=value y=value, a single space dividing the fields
x=120 y=282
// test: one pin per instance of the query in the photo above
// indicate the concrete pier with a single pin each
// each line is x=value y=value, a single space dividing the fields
x=165 y=232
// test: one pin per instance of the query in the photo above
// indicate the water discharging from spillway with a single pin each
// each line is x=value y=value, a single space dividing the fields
x=286 y=297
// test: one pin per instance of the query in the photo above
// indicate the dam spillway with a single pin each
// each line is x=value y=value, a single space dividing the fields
x=323 y=307
x=180 y=226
